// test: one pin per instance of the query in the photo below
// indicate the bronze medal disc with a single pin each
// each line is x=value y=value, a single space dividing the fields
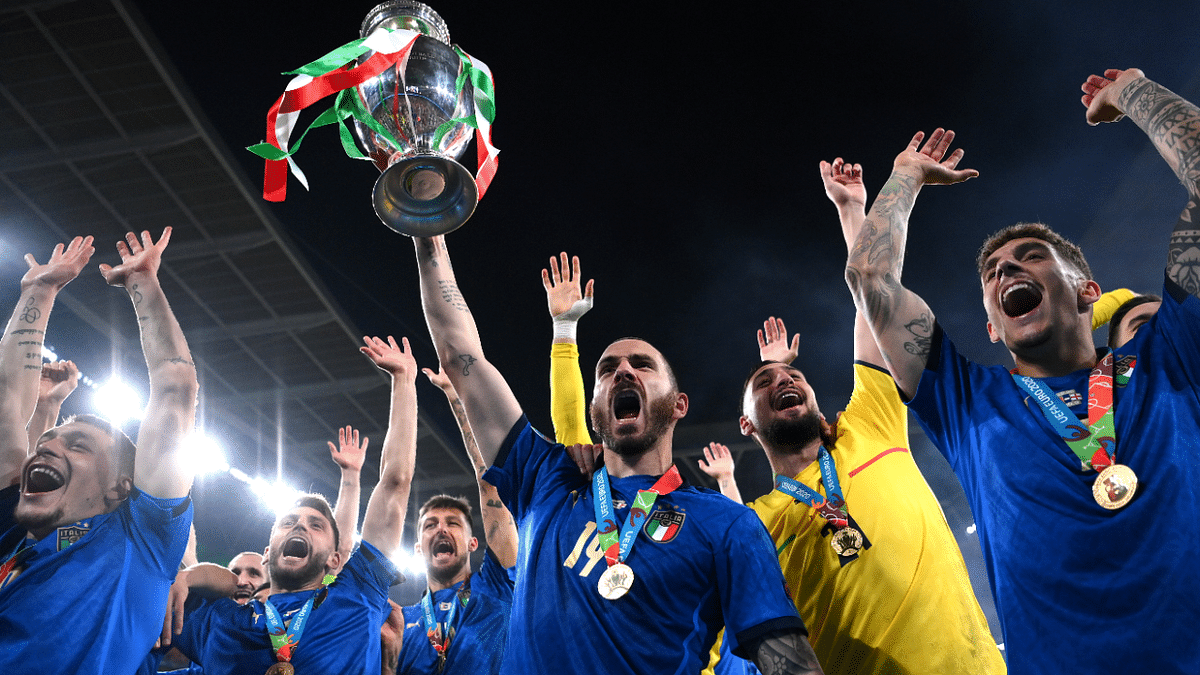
x=616 y=581
x=1115 y=486
x=846 y=541
x=281 y=668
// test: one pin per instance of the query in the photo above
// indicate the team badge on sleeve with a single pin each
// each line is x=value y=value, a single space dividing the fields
x=664 y=524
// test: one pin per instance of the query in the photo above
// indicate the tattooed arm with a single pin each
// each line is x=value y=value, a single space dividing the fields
x=1173 y=125
x=159 y=469
x=490 y=405
x=899 y=319
x=498 y=525
x=21 y=348
x=784 y=653
x=387 y=507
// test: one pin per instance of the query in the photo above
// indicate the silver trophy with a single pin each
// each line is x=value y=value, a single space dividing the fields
x=423 y=190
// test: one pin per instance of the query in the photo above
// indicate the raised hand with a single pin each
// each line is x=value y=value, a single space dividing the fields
x=773 y=342
x=390 y=357
x=137 y=257
x=1100 y=94
x=58 y=380
x=936 y=167
x=562 y=285
x=439 y=379
x=844 y=184
x=717 y=462
x=349 y=454
x=66 y=262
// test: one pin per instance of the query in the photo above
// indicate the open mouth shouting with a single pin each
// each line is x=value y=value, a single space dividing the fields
x=626 y=406
x=790 y=397
x=295 y=549
x=42 y=479
x=443 y=548
x=1020 y=299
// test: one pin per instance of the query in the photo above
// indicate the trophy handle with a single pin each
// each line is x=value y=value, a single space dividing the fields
x=425 y=196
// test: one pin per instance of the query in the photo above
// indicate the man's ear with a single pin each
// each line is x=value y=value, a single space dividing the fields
x=472 y=544
x=681 y=405
x=1089 y=293
x=119 y=492
x=417 y=547
x=333 y=563
x=993 y=335
x=746 y=426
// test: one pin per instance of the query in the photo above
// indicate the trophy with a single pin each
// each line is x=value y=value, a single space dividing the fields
x=414 y=100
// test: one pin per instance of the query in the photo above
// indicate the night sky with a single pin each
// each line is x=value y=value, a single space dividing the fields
x=675 y=150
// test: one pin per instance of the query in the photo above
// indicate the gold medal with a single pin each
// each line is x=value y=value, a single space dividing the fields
x=846 y=541
x=1115 y=486
x=281 y=668
x=616 y=581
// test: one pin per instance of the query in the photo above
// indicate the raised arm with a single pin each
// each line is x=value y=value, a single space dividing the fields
x=899 y=319
x=567 y=302
x=718 y=464
x=21 y=348
x=844 y=186
x=784 y=653
x=57 y=382
x=498 y=524
x=383 y=523
x=349 y=455
x=159 y=469
x=1173 y=125
x=489 y=402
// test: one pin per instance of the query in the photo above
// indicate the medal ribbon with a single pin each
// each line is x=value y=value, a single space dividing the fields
x=439 y=637
x=1096 y=446
x=285 y=638
x=617 y=545
x=833 y=508
x=22 y=552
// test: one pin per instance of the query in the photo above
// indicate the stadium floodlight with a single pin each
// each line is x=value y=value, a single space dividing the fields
x=204 y=454
x=118 y=402
x=48 y=354
x=276 y=496
x=409 y=563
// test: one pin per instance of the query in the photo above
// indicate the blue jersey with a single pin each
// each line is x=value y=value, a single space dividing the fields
x=1078 y=588
x=480 y=627
x=341 y=635
x=709 y=563
x=91 y=596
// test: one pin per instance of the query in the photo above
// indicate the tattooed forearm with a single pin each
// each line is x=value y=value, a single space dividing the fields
x=1183 y=252
x=451 y=295
x=467 y=360
x=786 y=653
x=31 y=313
x=878 y=301
x=180 y=360
x=921 y=329
x=1172 y=124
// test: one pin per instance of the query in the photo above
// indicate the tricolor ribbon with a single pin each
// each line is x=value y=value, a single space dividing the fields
x=335 y=73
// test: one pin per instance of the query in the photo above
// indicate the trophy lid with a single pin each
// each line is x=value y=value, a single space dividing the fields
x=414 y=16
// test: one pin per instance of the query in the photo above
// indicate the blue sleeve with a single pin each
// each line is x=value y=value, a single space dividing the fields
x=196 y=628
x=158 y=529
x=754 y=597
x=944 y=395
x=529 y=463
x=493 y=578
x=370 y=569
x=1178 y=323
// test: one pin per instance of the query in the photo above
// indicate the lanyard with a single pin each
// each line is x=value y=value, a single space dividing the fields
x=439 y=638
x=1096 y=446
x=833 y=508
x=606 y=522
x=19 y=555
x=286 y=638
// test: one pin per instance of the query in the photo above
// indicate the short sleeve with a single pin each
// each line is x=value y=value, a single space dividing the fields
x=159 y=528
x=754 y=597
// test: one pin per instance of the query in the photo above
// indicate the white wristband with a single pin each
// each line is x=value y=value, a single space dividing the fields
x=565 y=324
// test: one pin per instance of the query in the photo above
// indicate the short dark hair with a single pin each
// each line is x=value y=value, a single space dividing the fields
x=666 y=362
x=447 y=502
x=1064 y=247
x=122 y=444
x=318 y=502
x=1125 y=309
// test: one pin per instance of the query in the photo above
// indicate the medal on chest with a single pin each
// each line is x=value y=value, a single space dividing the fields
x=846 y=539
x=616 y=543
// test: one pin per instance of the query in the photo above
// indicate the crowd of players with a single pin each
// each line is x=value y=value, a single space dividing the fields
x=1078 y=463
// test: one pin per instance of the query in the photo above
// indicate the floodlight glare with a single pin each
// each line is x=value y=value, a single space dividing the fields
x=118 y=402
x=275 y=496
x=204 y=454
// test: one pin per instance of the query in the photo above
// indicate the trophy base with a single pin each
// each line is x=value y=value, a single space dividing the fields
x=425 y=196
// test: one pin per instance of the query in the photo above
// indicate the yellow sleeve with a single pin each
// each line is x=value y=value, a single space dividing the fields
x=568 y=408
x=875 y=408
x=1108 y=303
